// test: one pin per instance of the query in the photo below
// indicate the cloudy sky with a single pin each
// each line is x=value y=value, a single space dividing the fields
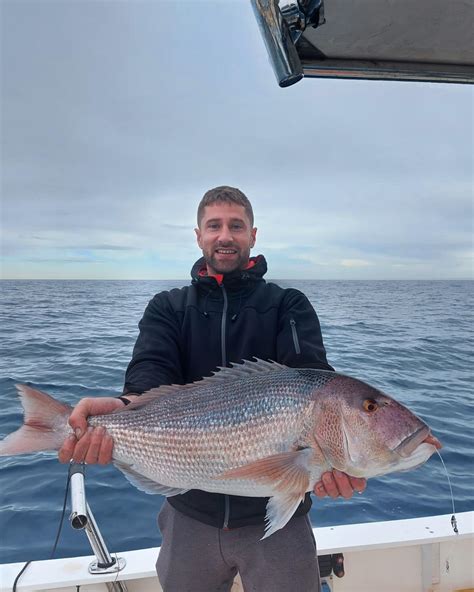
x=118 y=115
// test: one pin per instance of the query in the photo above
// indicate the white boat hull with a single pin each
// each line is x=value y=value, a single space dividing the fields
x=415 y=555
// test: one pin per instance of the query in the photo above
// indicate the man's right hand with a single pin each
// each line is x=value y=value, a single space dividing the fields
x=87 y=444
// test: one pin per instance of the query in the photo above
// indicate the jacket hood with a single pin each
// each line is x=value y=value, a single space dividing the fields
x=254 y=272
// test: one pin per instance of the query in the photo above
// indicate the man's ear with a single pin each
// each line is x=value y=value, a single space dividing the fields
x=198 y=237
x=253 y=234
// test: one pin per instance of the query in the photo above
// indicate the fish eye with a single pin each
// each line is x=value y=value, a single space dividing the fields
x=370 y=405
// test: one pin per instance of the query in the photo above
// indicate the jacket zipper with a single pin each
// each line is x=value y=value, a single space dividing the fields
x=295 y=336
x=225 y=526
x=223 y=325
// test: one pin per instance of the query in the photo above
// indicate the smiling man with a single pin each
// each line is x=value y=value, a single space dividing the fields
x=229 y=313
x=225 y=232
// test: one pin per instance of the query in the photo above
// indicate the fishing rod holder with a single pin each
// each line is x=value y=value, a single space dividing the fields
x=82 y=518
x=278 y=41
x=281 y=25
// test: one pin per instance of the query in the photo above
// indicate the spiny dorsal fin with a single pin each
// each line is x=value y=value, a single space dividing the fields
x=233 y=374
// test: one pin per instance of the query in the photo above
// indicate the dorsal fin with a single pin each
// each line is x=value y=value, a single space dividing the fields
x=233 y=374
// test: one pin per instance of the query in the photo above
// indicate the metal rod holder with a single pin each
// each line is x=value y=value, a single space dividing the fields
x=278 y=40
x=81 y=518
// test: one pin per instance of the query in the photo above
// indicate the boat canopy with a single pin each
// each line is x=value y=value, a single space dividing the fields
x=422 y=40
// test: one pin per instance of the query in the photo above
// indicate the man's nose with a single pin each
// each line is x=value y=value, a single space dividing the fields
x=225 y=235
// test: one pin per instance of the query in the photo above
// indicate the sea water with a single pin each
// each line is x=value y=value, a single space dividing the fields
x=412 y=339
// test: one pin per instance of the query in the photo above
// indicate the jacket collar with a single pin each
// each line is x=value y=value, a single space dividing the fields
x=235 y=279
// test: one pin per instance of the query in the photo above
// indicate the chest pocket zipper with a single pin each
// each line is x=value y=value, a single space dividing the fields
x=295 y=336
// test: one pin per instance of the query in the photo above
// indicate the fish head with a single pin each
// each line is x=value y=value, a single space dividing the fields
x=364 y=432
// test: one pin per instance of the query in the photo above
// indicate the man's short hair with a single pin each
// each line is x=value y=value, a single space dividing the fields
x=224 y=194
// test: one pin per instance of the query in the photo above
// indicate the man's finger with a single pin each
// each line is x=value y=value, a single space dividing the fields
x=78 y=417
x=92 y=453
x=343 y=484
x=106 y=449
x=358 y=484
x=67 y=449
x=319 y=489
x=82 y=447
x=330 y=484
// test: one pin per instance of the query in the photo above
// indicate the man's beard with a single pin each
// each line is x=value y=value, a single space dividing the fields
x=222 y=266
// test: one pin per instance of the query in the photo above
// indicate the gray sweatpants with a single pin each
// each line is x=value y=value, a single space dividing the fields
x=195 y=557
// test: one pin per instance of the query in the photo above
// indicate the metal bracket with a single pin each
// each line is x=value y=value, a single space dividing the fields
x=118 y=565
x=300 y=14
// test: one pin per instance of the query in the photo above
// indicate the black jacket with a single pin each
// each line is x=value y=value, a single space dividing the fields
x=187 y=333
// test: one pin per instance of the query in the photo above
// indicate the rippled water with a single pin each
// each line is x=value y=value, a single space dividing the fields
x=74 y=339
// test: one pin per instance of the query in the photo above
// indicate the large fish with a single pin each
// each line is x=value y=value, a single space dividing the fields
x=256 y=429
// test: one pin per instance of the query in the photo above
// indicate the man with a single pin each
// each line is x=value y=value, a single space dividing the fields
x=228 y=314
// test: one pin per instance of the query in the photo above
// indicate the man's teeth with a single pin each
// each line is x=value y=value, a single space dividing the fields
x=226 y=251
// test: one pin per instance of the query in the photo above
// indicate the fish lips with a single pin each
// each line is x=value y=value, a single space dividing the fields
x=411 y=443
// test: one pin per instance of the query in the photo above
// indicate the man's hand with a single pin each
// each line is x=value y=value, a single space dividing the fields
x=87 y=444
x=335 y=483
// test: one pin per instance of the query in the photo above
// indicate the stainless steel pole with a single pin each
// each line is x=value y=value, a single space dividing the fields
x=82 y=518
x=277 y=37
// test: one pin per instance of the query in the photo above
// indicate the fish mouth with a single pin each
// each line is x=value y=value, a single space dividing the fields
x=411 y=442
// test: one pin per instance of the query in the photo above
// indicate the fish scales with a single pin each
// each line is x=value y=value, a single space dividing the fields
x=188 y=437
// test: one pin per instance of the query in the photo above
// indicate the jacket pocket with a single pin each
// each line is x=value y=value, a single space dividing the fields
x=294 y=334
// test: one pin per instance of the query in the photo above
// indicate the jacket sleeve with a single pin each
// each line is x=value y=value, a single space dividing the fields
x=299 y=339
x=156 y=358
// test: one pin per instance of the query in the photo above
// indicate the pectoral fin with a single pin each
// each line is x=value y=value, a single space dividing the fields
x=288 y=472
x=280 y=508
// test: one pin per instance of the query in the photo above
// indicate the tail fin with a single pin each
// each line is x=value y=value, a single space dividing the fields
x=45 y=424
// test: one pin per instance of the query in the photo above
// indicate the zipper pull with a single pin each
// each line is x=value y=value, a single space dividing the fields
x=294 y=333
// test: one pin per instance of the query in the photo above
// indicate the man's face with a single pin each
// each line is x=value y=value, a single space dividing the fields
x=225 y=237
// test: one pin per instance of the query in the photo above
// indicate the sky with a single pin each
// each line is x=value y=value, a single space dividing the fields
x=117 y=116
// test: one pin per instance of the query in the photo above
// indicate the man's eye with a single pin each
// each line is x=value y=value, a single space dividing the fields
x=213 y=226
x=236 y=226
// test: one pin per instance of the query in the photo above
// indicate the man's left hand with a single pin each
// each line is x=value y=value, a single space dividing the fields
x=335 y=483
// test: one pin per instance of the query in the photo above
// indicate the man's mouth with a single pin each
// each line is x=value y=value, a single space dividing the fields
x=226 y=251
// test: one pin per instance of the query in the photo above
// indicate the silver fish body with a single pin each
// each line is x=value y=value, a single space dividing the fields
x=256 y=429
x=187 y=438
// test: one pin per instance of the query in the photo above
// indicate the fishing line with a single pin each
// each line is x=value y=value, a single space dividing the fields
x=454 y=522
x=23 y=569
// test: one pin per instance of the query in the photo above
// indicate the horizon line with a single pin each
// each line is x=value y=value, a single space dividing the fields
x=400 y=279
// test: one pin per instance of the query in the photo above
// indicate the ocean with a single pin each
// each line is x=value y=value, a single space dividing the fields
x=412 y=339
